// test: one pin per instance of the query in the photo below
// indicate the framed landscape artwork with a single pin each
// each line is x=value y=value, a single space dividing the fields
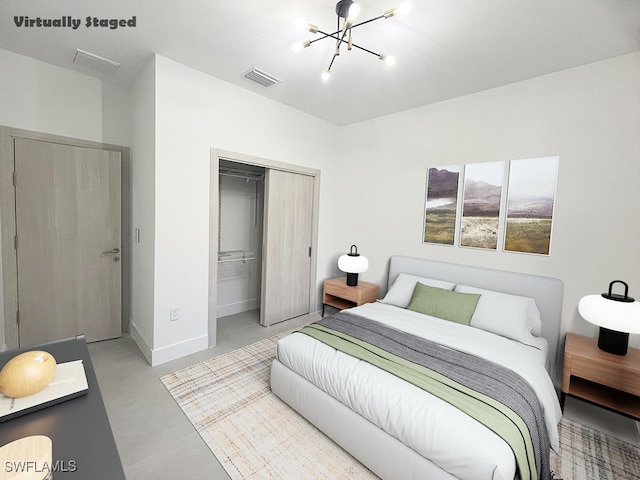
x=481 y=205
x=441 y=205
x=531 y=197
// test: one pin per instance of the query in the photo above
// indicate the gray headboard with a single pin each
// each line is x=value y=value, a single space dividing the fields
x=547 y=292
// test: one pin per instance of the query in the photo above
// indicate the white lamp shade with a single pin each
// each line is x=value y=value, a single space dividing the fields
x=353 y=264
x=610 y=314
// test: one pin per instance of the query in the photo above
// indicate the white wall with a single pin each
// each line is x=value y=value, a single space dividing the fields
x=41 y=97
x=193 y=113
x=589 y=116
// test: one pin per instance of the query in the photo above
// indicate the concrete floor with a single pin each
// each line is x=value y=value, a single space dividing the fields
x=156 y=441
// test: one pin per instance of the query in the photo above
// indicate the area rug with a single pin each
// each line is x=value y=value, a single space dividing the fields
x=586 y=453
x=254 y=435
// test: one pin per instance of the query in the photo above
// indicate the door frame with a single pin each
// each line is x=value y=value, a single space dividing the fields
x=8 y=264
x=215 y=156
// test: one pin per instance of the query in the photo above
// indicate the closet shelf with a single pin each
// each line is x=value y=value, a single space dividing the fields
x=235 y=256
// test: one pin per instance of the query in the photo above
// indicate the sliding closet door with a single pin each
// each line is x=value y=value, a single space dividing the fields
x=287 y=242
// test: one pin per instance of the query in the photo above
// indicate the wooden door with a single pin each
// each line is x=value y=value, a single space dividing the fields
x=68 y=241
x=286 y=257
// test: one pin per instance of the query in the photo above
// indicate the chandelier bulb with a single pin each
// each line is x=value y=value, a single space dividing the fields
x=354 y=11
x=303 y=25
x=296 y=47
x=326 y=75
x=400 y=10
x=388 y=59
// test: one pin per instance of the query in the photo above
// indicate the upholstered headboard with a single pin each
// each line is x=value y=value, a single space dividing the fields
x=547 y=292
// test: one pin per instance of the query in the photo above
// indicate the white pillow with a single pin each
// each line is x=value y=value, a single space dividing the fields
x=402 y=289
x=510 y=316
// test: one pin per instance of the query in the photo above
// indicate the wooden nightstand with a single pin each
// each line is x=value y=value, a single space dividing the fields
x=612 y=381
x=338 y=294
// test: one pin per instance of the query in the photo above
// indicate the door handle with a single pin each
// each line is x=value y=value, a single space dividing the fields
x=111 y=252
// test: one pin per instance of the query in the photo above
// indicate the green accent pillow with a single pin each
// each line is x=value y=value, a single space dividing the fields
x=438 y=302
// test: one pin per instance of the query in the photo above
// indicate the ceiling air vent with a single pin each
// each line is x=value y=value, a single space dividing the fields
x=261 y=77
x=95 y=62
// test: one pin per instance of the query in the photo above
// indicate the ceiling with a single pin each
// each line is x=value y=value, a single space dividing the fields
x=444 y=48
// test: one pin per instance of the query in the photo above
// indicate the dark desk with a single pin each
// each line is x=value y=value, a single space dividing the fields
x=83 y=444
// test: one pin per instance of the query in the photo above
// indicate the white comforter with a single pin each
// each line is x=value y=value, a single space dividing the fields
x=449 y=438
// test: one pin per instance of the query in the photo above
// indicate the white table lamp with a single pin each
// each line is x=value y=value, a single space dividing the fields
x=616 y=315
x=352 y=264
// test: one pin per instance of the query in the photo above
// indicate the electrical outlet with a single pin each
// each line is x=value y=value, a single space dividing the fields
x=174 y=313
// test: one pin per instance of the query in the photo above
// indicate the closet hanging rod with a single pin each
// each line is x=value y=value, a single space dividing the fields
x=241 y=175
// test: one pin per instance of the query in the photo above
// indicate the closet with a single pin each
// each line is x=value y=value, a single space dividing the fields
x=240 y=224
x=263 y=239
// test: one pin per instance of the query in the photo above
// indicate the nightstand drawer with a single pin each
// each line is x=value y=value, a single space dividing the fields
x=618 y=378
x=362 y=293
x=338 y=290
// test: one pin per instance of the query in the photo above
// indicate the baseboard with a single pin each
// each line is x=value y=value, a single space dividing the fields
x=179 y=350
x=140 y=341
x=170 y=352
x=237 y=307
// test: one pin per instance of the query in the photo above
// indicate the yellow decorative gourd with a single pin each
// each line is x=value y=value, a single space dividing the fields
x=27 y=373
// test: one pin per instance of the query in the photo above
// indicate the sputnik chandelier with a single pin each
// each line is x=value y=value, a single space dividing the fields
x=347 y=11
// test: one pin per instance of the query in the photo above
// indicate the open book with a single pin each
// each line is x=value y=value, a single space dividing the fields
x=70 y=381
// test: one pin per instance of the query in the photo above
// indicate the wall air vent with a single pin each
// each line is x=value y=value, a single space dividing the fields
x=261 y=77
x=95 y=62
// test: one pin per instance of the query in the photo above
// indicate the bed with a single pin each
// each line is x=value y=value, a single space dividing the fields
x=395 y=427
